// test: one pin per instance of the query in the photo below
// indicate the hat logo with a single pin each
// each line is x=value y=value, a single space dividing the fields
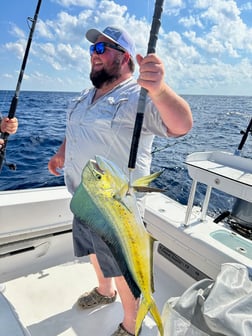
x=115 y=34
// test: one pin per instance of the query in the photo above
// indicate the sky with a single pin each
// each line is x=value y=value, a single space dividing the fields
x=206 y=45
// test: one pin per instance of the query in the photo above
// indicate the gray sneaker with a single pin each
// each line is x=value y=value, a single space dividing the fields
x=94 y=298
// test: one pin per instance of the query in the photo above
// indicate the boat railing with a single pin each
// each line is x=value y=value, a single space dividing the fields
x=224 y=171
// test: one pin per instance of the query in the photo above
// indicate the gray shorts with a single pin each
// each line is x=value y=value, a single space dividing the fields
x=87 y=242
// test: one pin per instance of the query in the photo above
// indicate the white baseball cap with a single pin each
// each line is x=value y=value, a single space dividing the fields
x=115 y=34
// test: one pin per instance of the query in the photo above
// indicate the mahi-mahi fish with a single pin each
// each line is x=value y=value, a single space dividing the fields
x=108 y=206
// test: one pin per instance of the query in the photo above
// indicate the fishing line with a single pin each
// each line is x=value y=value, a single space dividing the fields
x=160 y=149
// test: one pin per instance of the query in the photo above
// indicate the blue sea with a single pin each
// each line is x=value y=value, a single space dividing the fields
x=218 y=121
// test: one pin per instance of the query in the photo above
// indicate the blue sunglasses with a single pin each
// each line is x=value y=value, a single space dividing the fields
x=100 y=48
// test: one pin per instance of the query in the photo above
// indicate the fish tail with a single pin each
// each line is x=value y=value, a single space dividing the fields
x=142 y=312
x=155 y=314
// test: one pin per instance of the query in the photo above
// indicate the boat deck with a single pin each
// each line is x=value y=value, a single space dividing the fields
x=45 y=301
x=43 y=280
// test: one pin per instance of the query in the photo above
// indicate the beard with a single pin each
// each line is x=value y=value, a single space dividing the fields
x=98 y=78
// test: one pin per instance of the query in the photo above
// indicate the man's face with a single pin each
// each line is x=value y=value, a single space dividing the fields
x=106 y=67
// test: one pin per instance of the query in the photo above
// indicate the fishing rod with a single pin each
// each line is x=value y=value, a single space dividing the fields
x=244 y=137
x=14 y=101
x=156 y=23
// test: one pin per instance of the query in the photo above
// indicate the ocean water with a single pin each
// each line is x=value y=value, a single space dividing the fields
x=218 y=121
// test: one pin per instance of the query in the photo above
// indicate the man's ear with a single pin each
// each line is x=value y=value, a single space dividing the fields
x=126 y=57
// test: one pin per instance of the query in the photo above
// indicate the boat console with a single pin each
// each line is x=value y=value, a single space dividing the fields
x=188 y=236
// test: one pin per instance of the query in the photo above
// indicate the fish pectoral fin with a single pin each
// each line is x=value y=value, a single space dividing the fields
x=122 y=192
x=142 y=184
x=124 y=205
x=146 y=180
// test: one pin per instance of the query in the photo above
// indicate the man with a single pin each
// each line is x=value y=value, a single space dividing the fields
x=101 y=122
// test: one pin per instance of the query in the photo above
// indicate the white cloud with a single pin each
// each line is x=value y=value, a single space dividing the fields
x=173 y=7
x=43 y=30
x=47 y=48
x=17 y=32
x=17 y=48
x=79 y=3
x=246 y=7
x=191 y=21
x=7 y=76
x=208 y=48
x=224 y=32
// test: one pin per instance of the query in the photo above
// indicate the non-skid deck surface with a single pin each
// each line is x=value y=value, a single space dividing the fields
x=45 y=301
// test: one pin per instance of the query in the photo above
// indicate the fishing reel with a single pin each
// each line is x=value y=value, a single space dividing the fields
x=240 y=218
x=3 y=162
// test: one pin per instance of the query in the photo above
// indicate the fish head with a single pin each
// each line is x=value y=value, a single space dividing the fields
x=112 y=170
x=102 y=175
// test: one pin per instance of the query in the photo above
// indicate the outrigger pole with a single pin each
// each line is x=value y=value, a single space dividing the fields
x=156 y=23
x=14 y=101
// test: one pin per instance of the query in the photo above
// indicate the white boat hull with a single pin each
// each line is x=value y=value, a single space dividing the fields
x=42 y=279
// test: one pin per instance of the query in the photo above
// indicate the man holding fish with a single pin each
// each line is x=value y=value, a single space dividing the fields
x=100 y=124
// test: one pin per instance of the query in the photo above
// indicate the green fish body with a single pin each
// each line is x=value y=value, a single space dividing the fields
x=104 y=201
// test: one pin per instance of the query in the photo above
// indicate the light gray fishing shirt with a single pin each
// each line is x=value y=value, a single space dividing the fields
x=105 y=128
